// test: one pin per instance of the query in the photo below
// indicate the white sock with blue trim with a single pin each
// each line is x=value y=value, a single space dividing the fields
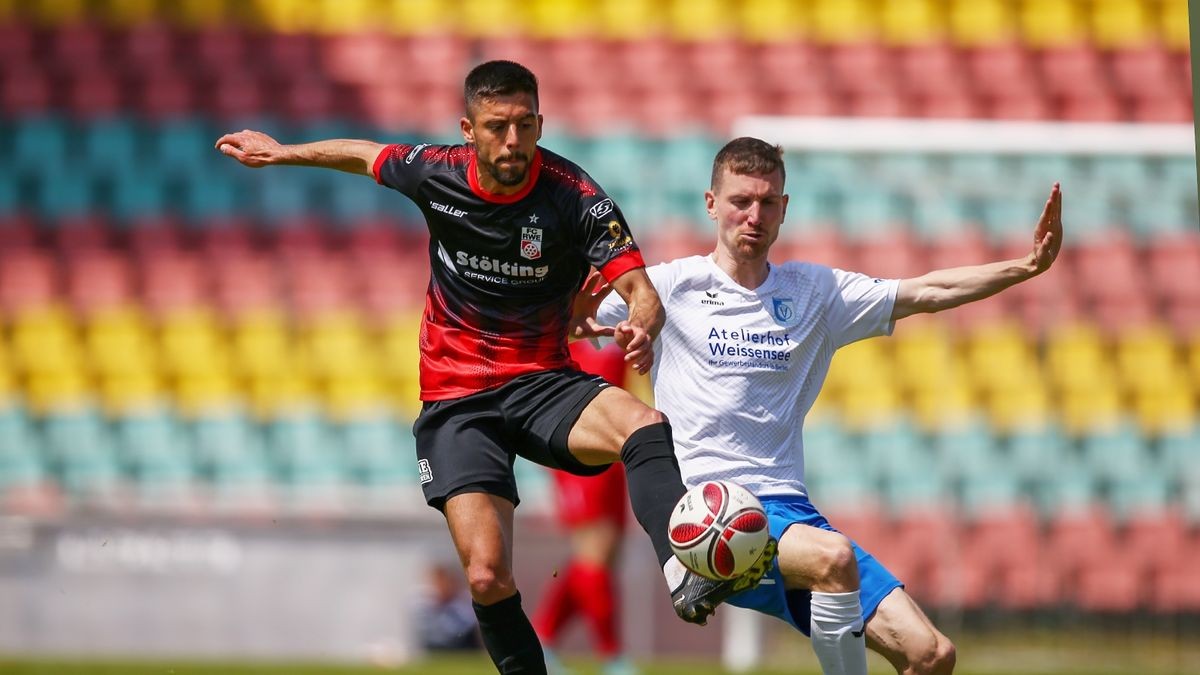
x=837 y=633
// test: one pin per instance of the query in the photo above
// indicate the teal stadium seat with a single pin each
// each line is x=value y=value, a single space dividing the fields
x=835 y=471
x=378 y=452
x=302 y=452
x=229 y=454
x=79 y=449
x=154 y=452
x=20 y=450
x=111 y=143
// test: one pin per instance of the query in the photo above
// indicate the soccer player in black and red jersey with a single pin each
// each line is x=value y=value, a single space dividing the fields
x=514 y=230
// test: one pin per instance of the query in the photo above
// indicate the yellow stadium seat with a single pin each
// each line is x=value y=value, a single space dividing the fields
x=491 y=18
x=630 y=19
x=337 y=344
x=354 y=396
x=950 y=404
x=1077 y=358
x=419 y=17
x=55 y=12
x=1086 y=409
x=923 y=352
x=869 y=407
x=191 y=344
x=912 y=22
x=347 y=16
x=261 y=345
x=841 y=21
x=1147 y=359
x=1120 y=23
x=198 y=13
x=274 y=395
x=697 y=20
x=131 y=393
x=1011 y=409
x=1193 y=361
x=1000 y=358
x=861 y=363
x=57 y=391
x=400 y=354
x=44 y=340
x=284 y=16
x=1168 y=409
x=1052 y=23
x=772 y=20
x=120 y=342
x=975 y=23
x=200 y=393
x=8 y=380
x=556 y=19
x=1173 y=25
x=126 y=12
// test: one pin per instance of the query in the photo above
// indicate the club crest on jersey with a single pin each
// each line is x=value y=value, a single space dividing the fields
x=785 y=309
x=531 y=243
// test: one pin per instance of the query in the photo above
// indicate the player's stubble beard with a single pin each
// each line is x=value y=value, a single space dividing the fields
x=514 y=175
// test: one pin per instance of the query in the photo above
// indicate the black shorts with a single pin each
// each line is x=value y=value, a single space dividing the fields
x=469 y=444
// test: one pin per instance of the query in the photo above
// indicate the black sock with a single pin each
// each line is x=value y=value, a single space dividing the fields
x=509 y=637
x=654 y=483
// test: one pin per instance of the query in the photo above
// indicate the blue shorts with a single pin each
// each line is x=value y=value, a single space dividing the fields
x=770 y=597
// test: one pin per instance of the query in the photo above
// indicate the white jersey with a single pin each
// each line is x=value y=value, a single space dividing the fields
x=736 y=370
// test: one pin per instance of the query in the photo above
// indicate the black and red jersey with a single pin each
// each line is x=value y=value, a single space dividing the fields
x=505 y=268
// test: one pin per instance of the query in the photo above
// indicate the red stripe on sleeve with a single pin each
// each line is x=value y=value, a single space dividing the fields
x=622 y=264
x=379 y=160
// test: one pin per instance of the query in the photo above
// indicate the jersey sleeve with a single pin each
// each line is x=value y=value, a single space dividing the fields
x=606 y=240
x=860 y=306
x=402 y=166
x=613 y=309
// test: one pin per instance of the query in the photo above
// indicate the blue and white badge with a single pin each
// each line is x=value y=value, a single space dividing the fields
x=785 y=309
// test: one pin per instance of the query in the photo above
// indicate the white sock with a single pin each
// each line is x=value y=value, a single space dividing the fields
x=674 y=571
x=837 y=633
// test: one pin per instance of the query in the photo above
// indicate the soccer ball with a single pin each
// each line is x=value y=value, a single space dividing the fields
x=718 y=529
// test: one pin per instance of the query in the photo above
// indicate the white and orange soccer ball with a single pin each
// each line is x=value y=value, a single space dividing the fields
x=718 y=529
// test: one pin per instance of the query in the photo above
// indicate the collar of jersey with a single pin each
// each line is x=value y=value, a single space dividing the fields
x=765 y=287
x=535 y=168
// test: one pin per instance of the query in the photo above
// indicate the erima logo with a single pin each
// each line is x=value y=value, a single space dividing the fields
x=412 y=154
x=602 y=209
x=424 y=472
x=448 y=210
x=711 y=299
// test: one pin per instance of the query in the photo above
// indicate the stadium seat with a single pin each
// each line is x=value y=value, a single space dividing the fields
x=79 y=449
x=843 y=21
x=975 y=23
x=379 y=451
x=154 y=454
x=770 y=22
x=912 y=22
x=1121 y=23
x=1003 y=562
x=230 y=458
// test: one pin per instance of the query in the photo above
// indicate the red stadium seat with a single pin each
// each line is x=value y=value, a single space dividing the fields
x=924 y=554
x=1077 y=541
x=931 y=70
x=893 y=254
x=287 y=54
x=17 y=232
x=438 y=58
x=82 y=233
x=155 y=235
x=28 y=279
x=1076 y=72
x=25 y=89
x=1098 y=106
x=98 y=280
x=159 y=92
x=221 y=49
x=1003 y=563
x=822 y=245
x=171 y=283
x=78 y=45
x=861 y=69
x=92 y=92
x=1168 y=107
x=1146 y=71
x=17 y=42
x=235 y=94
x=149 y=45
x=793 y=68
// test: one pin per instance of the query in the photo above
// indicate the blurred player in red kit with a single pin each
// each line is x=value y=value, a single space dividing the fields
x=592 y=509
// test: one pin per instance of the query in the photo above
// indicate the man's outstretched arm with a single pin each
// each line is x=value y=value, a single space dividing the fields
x=947 y=288
x=256 y=149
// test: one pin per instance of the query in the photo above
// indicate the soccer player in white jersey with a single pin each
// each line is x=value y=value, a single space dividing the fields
x=739 y=363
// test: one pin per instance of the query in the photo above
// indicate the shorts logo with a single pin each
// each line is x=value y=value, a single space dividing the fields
x=785 y=309
x=601 y=209
x=531 y=243
x=424 y=472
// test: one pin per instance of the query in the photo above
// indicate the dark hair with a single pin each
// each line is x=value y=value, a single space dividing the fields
x=498 y=78
x=748 y=156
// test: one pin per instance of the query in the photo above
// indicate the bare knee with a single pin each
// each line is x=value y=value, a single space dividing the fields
x=836 y=565
x=646 y=416
x=489 y=583
x=938 y=659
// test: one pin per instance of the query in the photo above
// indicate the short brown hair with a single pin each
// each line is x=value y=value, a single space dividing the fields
x=498 y=78
x=748 y=156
